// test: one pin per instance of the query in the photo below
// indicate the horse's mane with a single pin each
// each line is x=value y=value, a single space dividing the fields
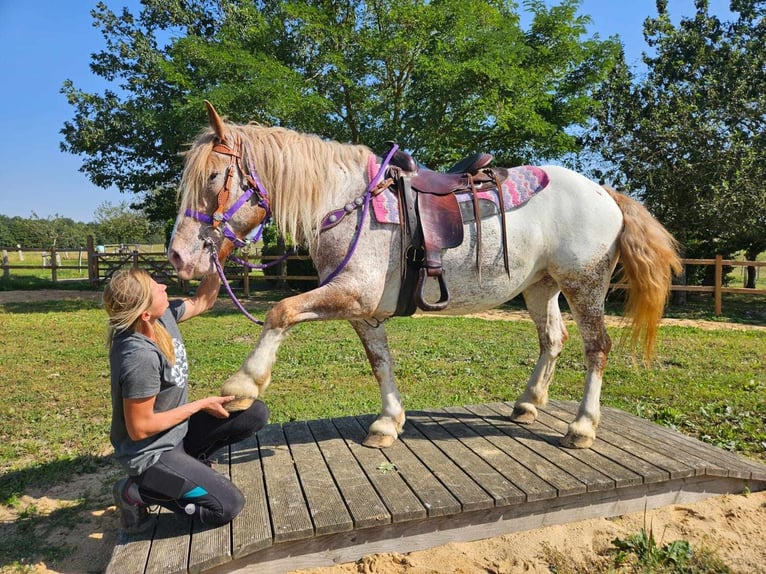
x=299 y=171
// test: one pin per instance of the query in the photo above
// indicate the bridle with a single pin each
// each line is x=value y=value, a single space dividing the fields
x=251 y=184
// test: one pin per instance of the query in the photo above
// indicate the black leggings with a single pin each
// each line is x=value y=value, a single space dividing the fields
x=182 y=482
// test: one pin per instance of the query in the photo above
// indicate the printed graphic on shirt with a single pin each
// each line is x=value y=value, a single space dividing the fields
x=180 y=371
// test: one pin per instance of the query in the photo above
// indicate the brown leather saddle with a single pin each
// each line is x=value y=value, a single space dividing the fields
x=432 y=219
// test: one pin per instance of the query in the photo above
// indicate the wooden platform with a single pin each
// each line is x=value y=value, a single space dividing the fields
x=315 y=496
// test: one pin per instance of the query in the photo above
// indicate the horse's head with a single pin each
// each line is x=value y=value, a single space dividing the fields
x=221 y=200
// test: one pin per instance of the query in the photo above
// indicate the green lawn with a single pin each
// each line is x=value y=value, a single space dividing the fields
x=54 y=378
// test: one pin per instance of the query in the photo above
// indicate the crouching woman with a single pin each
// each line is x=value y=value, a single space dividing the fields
x=162 y=440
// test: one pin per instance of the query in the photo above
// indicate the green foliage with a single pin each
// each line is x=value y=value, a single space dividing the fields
x=441 y=78
x=643 y=552
x=111 y=225
x=688 y=137
x=121 y=224
x=36 y=232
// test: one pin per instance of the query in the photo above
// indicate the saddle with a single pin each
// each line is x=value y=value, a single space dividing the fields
x=431 y=218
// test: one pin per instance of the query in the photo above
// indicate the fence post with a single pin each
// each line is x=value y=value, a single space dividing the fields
x=718 y=284
x=54 y=265
x=92 y=261
x=134 y=255
x=6 y=271
x=245 y=276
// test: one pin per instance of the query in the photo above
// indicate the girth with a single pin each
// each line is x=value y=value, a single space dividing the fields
x=431 y=221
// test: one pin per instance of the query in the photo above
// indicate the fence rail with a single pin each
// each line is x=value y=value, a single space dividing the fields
x=101 y=266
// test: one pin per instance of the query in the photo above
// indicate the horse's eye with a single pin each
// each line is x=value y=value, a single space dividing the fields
x=213 y=175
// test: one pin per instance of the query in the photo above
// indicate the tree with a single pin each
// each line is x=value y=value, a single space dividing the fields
x=688 y=138
x=121 y=224
x=442 y=78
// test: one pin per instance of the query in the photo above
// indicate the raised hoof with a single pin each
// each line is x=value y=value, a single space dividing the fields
x=239 y=404
x=576 y=441
x=523 y=416
x=377 y=440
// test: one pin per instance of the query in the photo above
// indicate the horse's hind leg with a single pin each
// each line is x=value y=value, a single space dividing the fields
x=587 y=305
x=542 y=303
x=390 y=422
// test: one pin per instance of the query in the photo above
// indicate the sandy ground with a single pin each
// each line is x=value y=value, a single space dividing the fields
x=732 y=526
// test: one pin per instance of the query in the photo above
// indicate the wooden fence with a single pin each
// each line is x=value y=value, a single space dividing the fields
x=101 y=266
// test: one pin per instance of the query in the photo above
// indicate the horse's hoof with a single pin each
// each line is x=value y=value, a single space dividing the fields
x=239 y=404
x=377 y=440
x=576 y=441
x=524 y=415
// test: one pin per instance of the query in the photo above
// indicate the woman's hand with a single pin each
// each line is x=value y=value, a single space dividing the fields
x=142 y=422
x=214 y=406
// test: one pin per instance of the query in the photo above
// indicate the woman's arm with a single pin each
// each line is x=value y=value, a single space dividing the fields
x=142 y=422
x=204 y=298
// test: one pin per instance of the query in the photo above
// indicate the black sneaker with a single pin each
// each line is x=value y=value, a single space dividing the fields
x=134 y=516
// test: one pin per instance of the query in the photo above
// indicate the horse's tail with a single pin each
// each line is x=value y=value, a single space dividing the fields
x=650 y=258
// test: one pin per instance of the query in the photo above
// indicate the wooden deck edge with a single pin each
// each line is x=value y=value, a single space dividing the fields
x=481 y=524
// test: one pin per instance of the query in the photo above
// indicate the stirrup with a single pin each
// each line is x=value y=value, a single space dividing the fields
x=443 y=301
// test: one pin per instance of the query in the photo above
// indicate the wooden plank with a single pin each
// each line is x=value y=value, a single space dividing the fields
x=551 y=430
x=287 y=506
x=660 y=439
x=517 y=463
x=648 y=472
x=211 y=546
x=130 y=554
x=251 y=529
x=400 y=501
x=434 y=496
x=719 y=459
x=470 y=495
x=499 y=487
x=675 y=468
x=565 y=472
x=650 y=439
x=363 y=502
x=170 y=547
x=326 y=507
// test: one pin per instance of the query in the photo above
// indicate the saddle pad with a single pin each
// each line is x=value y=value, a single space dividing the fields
x=520 y=186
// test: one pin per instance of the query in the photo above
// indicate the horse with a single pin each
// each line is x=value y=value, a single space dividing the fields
x=565 y=239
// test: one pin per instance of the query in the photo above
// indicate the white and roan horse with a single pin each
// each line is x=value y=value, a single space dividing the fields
x=566 y=239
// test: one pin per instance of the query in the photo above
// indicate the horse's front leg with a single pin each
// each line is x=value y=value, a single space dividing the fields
x=390 y=422
x=252 y=378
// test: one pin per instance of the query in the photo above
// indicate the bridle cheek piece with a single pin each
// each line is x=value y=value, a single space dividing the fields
x=219 y=220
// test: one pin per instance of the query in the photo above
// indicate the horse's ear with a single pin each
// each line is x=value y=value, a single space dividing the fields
x=215 y=121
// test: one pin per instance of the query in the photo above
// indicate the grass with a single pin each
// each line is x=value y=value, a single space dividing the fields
x=54 y=381
x=54 y=378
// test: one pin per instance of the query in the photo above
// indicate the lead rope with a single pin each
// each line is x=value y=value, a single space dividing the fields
x=219 y=268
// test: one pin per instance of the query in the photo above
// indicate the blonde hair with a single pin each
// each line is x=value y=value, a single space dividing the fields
x=126 y=296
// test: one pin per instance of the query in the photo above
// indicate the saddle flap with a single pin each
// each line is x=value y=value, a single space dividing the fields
x=436 y=183
x=440 y=221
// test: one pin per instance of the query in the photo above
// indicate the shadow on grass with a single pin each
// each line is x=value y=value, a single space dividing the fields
x=14 y=483
x=36 y=535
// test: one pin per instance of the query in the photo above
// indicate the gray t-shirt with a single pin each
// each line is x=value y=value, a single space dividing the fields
x=140 y=370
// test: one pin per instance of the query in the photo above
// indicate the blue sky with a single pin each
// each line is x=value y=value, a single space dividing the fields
x=45 y=42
